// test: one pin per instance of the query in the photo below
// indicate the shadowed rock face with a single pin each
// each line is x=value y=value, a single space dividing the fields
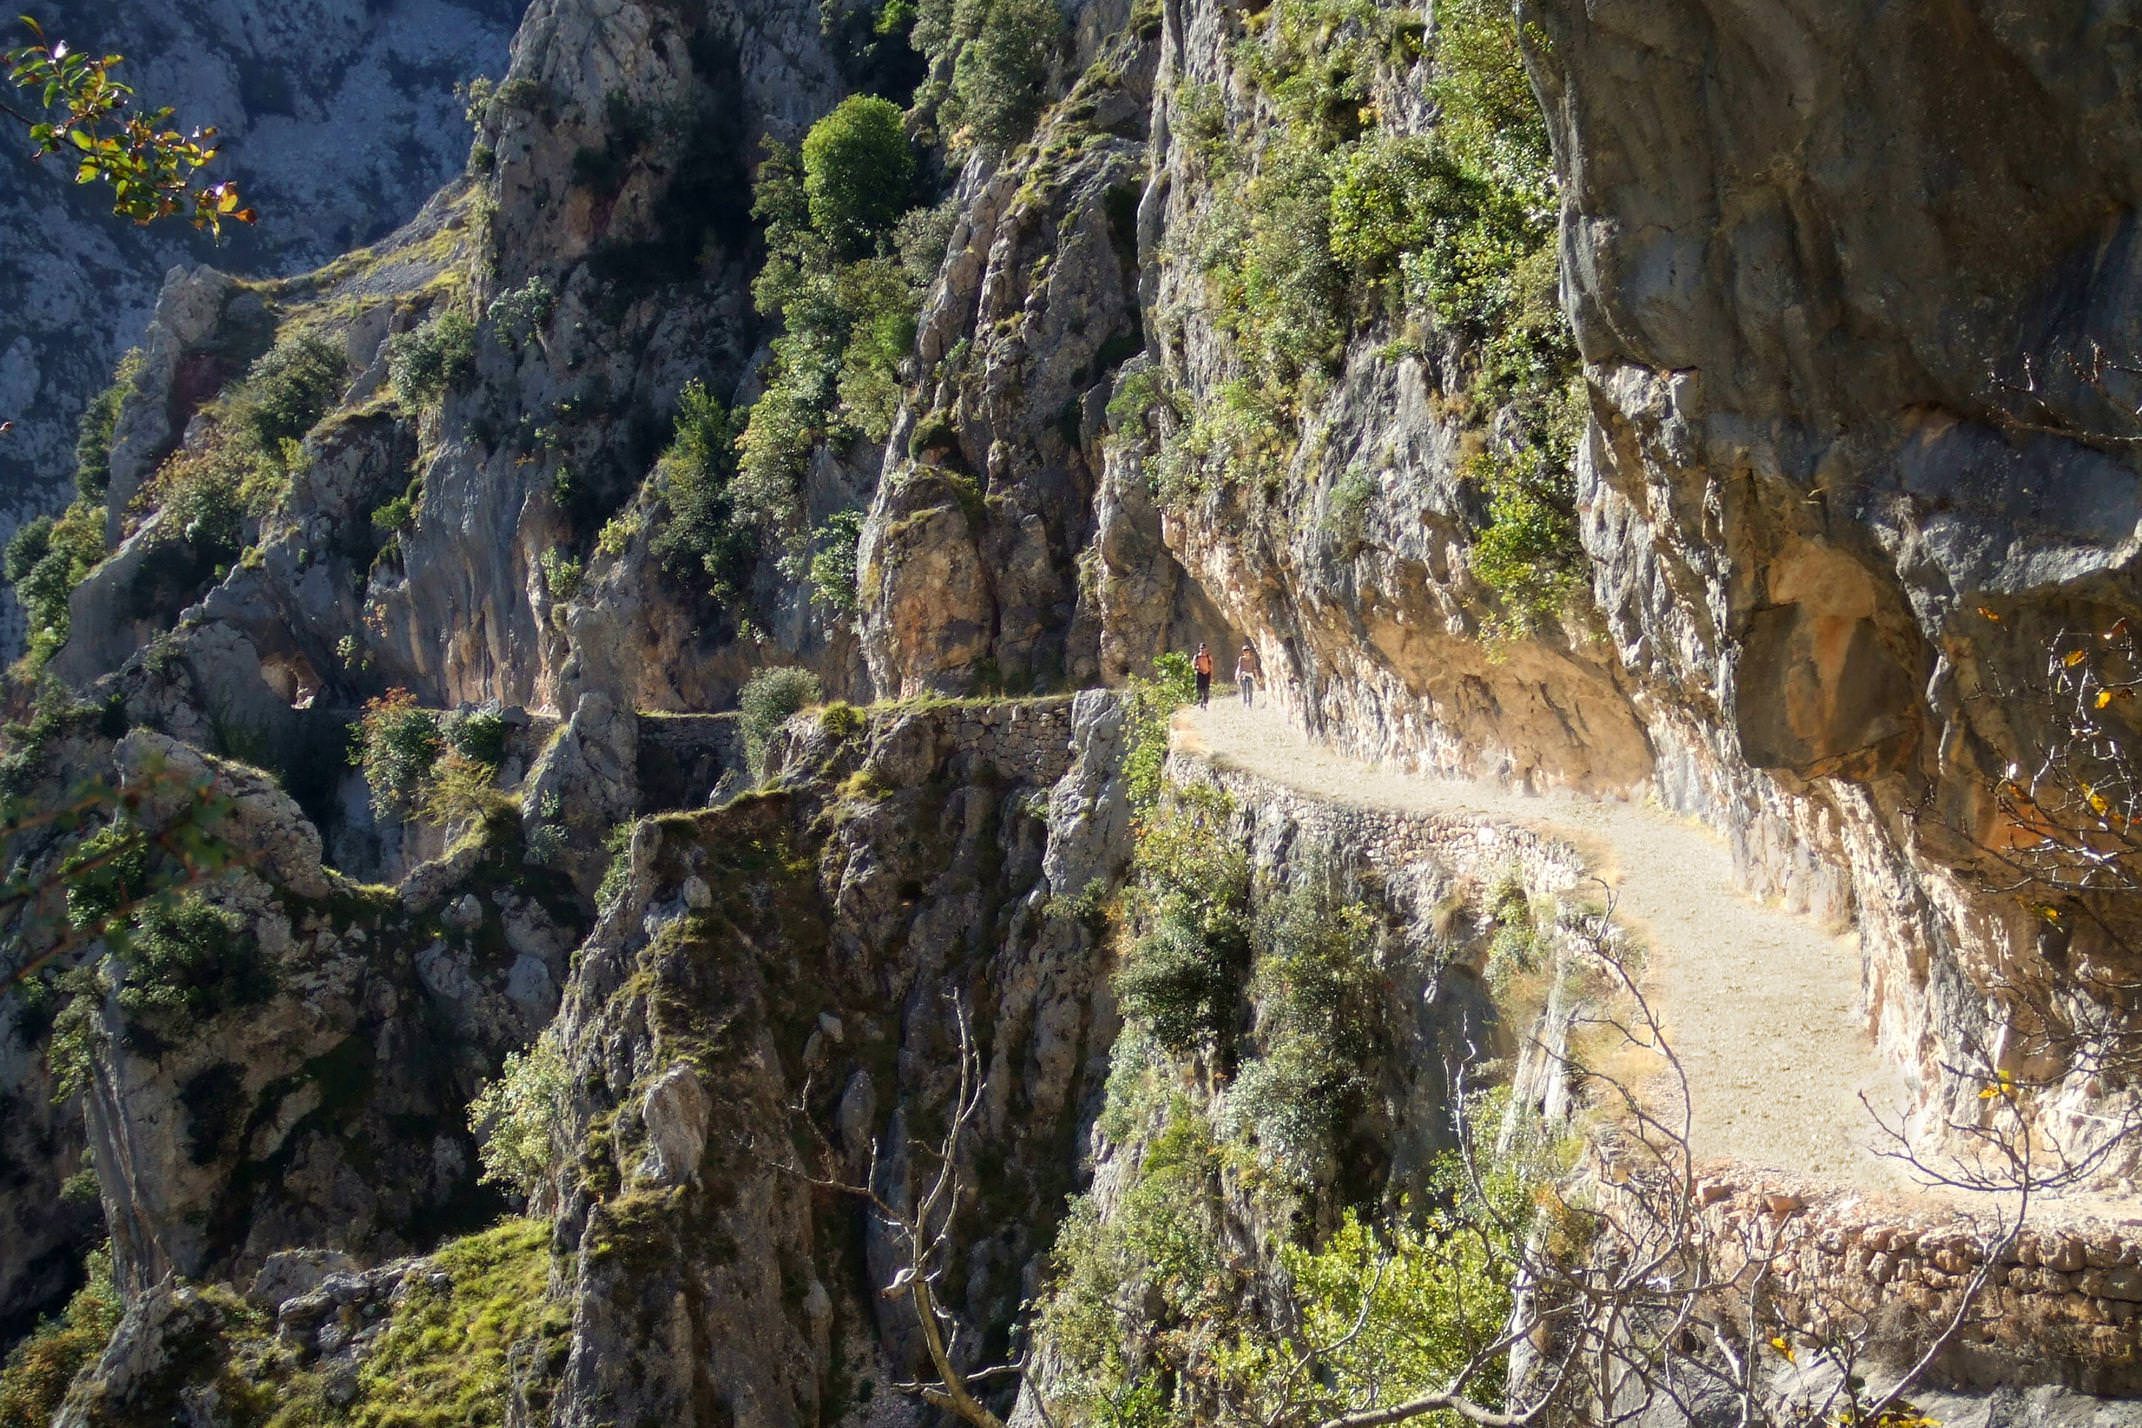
x=1840 y=277
x=337 y=116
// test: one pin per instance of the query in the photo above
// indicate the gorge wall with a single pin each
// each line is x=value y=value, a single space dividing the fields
x=337 y=119
x=1669 y=401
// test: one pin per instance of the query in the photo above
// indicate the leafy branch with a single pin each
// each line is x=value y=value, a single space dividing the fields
x=80 y=111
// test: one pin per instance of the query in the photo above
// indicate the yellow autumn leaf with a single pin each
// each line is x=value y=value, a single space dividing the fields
x=2073 y=658
x=2104 y=697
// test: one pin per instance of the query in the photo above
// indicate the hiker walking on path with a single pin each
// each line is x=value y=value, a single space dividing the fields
x=1201 y=665
x=1247 y=673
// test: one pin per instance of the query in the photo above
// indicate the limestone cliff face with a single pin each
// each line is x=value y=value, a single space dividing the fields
x=1847 y=464
x=309 y=1096
x=780 y=969
x=337 y=117
x=1851 y=474
x=621 y=144
x=1856 y=457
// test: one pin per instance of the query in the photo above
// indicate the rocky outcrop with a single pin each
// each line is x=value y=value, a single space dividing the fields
x=1853 y=467
x=780 y=972
x=337 y=118
x=2061 y=1305
x=303 y=1082
x=986 y=506
x=1848 y=464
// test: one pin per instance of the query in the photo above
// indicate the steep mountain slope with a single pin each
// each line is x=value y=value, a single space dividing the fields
x=1576 y=398
x=338 y=119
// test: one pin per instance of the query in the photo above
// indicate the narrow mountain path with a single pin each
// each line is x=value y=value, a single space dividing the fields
x=1759 y=1004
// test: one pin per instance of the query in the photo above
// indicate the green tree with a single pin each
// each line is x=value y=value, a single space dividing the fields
x=40 y=1368
x=857 y=169
x=74 y=106
x=703 y=535
x=516 y=1116
x=1001 y=77
x=426 y=363
x=833 y=567
x=767 y=700
x=288 y=390
x=93 y=438
x=397 y=743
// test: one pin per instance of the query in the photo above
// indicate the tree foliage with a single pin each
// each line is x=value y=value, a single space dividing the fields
x=79 y=110
x=845 y=298
x=1000 y=79
x=857 y=169
x=45 y=559
x=191 y=960
x=516 y=1117
x=833 y=565
x=1183 y=974
x=701 y=536
x=38 y=1370
x=767 y=700
x=1149 y=706
x=396 y=743
x=429 y=361
x=100 y=422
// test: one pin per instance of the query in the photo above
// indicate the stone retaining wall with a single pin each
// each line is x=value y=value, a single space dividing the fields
x=1027 y=740
x=2063 y=1305
x=682 y=756
x=1477 y=849
x=1022 y=741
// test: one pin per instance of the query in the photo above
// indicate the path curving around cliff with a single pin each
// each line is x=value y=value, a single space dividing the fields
x=1760 y=1004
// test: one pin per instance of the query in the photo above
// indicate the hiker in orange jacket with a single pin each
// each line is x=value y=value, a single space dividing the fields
x=1201 y=665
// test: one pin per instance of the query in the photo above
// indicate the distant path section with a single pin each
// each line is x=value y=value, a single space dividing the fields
x=1758 y=1003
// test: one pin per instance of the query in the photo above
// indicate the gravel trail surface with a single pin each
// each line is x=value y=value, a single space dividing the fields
x=1759 y=1004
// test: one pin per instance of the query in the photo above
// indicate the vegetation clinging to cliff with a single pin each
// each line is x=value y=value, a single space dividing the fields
x=1332 y=218
x=207 y=494
x=845 y=302
x=767 y=700
x=989 y=63
x=1253 y=1019
x=39 y=1369
x=703 y=537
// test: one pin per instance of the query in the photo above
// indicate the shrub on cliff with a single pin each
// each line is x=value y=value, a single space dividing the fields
x=45 y=560
x=287 y=390
x=767 y=700
x=1181 y=978
x=1318 y=1009
x=1149 y=705
x=396 y=743
x=39 y=1369
x=702 y=536
x=833 y=566
x=47 y=557
x=845 y=324
x=516 y=1116
x=426 y=363
x=1000 y=79
x=93 y=438
x=190 y=961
